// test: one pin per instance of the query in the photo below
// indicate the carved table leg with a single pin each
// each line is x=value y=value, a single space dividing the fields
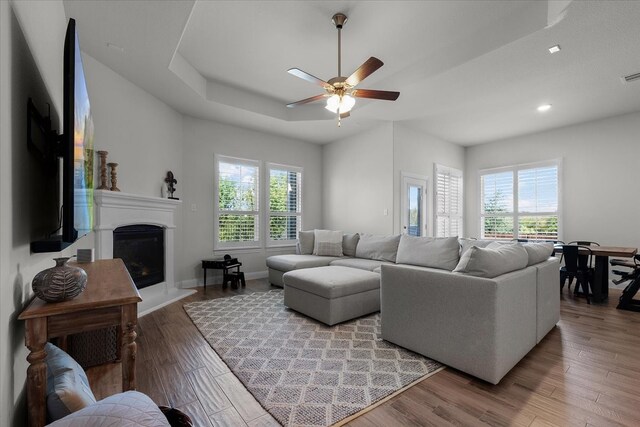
x=129 y=347
x=35 y=339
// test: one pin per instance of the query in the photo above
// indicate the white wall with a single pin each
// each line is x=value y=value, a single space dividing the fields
x=600 y=163
x=416 y=152
x=141 y=133
x=358 y=182
x=201 y=140
x=31 y=51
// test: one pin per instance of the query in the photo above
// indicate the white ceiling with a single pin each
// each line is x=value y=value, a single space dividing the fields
x=468 y=71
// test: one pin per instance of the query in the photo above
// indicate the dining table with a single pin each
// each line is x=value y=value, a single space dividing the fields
x=600 y=285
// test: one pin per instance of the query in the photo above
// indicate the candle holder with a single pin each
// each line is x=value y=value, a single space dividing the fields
x=114 y=176
x=103 y=170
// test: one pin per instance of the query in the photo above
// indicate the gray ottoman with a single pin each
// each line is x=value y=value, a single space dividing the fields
x=332 y=294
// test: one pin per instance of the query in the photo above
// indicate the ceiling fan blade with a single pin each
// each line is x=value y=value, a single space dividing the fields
x=308 y=77
x=345 y=115
x=375 y=94
x=307 y=100
x=366 y=69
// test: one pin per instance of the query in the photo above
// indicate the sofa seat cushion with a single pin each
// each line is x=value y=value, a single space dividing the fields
x=295 y=262
x=332 y=281
x=130 y=408
x=362 y=264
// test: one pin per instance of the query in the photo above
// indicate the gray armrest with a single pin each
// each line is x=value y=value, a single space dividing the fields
x=480 y=326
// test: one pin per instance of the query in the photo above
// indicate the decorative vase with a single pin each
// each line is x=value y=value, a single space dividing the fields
x=59 y=283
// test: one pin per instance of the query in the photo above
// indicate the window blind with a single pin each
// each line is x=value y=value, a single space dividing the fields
x=448 y=198
x=520 y=202
x=285 y=203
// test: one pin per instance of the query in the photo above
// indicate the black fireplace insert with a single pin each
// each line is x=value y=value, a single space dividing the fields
x=141 y=247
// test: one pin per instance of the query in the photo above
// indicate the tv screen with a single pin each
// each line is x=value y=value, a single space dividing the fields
x=82 y=152
x=78 y=138
x=75 y=147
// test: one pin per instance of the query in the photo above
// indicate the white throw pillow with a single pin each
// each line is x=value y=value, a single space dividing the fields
x=538 y=251
x=429 y=252
x=327 y=243
x=492 y=262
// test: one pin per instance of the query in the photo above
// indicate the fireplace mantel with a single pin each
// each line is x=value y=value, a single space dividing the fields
x=115 y=209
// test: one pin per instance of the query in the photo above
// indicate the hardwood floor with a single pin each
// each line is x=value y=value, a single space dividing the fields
x=585 y=372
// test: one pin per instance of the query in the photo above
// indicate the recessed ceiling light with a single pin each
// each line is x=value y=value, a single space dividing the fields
x=554 y=49
x=544 y=107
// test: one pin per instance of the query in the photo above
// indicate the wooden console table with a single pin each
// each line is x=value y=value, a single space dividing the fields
x=110 y=299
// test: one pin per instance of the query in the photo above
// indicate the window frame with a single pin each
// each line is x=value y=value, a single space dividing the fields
x=439 y=168
x=269 y=166
x=217 y=244
x=516 y=214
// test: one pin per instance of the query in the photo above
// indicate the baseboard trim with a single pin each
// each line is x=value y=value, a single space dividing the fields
x=195 y=283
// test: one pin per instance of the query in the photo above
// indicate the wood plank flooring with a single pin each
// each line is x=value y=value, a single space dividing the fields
x=586 y=372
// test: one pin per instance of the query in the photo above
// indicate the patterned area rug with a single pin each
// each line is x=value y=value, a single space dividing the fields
x=303 y=372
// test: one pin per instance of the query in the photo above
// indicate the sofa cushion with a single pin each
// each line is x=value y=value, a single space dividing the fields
x=466 y=243
x=130 y=408
x=68 y=388
x=433 y=252
x=294 y=262
x=349 y=244
x=538 y=251
x=327 y=243
x=306 y=240
x=383 y=248
x=361 y=263
x=492 y=262
x=332 y=282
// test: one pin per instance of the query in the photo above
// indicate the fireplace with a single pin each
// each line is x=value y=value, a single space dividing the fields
x=115 y=210
x=141 y=247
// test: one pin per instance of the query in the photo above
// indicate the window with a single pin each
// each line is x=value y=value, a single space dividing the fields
x=241 y=219
x=238 y=203
x=520 y=202
x=448 y=197
x=285 y=203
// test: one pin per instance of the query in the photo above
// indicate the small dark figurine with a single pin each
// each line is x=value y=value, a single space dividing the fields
x=171 y=181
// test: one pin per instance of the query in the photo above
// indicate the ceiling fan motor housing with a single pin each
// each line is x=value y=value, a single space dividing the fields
x=339 y=19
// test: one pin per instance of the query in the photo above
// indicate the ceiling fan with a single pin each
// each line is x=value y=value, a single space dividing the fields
x=340 y=91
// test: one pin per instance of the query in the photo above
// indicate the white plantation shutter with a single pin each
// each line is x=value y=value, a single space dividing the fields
x=520 y=202
x=448 y=197
x=285 y=204
x=237 y=208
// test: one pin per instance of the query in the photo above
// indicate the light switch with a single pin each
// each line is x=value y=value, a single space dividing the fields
x=385 y=212
x=193 y=207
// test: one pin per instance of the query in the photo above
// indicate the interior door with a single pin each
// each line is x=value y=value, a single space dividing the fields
x=414 y=205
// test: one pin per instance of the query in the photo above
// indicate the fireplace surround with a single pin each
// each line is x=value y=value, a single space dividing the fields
x=116 y=209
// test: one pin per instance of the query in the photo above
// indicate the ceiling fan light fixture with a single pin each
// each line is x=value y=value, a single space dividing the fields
x=343 y=104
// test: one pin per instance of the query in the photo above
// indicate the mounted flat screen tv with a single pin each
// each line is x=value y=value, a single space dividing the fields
x=75 y=147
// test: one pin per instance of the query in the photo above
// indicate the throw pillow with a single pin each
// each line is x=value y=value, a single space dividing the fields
x=465 y=244
x=349 y=243
x=381 y=248
x=68 y=388
x=306 y=242
x=327 y=243
x=538 y=251
x=429 y=252
x=492 y=262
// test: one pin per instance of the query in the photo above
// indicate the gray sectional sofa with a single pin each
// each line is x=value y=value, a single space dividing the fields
x=478 y=306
